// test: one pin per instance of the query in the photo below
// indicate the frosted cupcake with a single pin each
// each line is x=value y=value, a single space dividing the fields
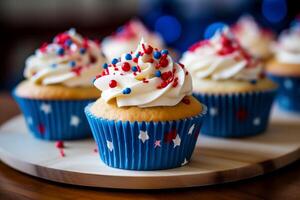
x=256 y=40
x=127 y=38
x=230 y=82
x=284 y=69
x=58 y=86
x=145 y=118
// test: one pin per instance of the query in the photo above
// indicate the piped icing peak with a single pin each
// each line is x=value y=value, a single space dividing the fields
x=251 y=36
x=69 y=60
x=287 y=49
x=127 y=37
x=145 y=78
x=220 y=58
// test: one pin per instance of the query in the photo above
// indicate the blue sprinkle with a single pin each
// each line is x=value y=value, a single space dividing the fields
x=128 y=56
x=157 y=73
x=253 y=82
x=105 y=66
x=60 y=51
x=82 y=50
x=137 y=55
x=53 y=65
x=120 y=29
x=127 y=91
x=68 y=42
x=134 y=68
x=165 y=51
x=157 y=54
x=114 y=61
x=72 y=63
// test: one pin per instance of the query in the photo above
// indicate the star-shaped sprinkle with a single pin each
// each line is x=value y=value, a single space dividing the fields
x=46 y=108
x=256 y=121
x=177 y=141
x=143 y=136
x=157 y=144
x=288 y=84
x=29 y=120
x=184 y=162
x=74 y=120
x=213 y=111
x=109 y=145
x=191 y=129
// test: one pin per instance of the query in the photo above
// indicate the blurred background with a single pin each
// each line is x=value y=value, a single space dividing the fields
x=25 y=24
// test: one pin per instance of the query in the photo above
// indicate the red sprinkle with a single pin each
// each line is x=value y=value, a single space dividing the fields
x=199 y=44
x=96 y=150
x=135 y=59
x=59 y=144
x=147 y=50
x=186 y=101
x=62 y=153
x=43 y=48
x=125 y=66
x=113 y=84
x=145 y=80
x=77 y=70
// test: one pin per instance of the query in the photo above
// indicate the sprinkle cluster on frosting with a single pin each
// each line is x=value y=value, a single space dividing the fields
x=147 y=77
x=127 y=37
x=251 y=36
x=220 y=58
x=69 y=60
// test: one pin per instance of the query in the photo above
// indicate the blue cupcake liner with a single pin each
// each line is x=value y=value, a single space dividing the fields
x=55 y=119
x=145 y=145
x=288 y=96
x=237 y=114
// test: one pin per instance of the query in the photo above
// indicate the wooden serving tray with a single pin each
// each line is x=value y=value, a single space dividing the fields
x=214 y=160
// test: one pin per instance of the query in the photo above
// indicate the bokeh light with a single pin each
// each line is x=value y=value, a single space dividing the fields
x=274 y=10
x=169 y=27
x=212 y=28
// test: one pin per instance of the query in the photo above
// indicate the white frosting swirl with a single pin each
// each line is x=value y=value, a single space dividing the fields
x=128 y=38
x=70 y=60
x=252 y=37
x=287 y=50
x=145 y=81
x=221 y=58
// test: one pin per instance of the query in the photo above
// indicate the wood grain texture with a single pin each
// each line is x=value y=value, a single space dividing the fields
x=281 y=184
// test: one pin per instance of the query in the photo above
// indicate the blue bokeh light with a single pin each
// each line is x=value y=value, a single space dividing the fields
x=274 y=10
x=169 y=27
x=212 y=28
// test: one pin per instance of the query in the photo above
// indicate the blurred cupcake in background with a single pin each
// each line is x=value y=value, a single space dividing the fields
x=284 y=68
x=58 y=86
x=146 y=118
x=230 y=82
x=127 y=37
x=255 y=39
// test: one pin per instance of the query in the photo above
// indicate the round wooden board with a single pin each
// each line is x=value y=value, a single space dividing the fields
x=214 y=160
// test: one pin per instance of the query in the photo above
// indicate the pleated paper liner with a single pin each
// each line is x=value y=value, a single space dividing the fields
x=238 y=114
x=288 y=97
x=145 y=145
x=55 y=119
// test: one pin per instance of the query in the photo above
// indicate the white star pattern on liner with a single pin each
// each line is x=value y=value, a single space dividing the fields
x=29 y=120
x=143 y=136
x=74 y=120
x=191 y=129
x=288 y=84
x=46 y=108
x=109 y=145
x=177 y=141
x=184 y=162
x=256 y=121
x=213 y=111
x=157 y=144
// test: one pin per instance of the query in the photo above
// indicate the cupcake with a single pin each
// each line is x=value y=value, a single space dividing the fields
x=127 y=38
x=145 y=118
x=230 y=82
x=284 y=69
x=256 y=40
x=58 y=85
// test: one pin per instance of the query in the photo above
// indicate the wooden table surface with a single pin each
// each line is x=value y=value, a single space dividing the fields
x=281 y=184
